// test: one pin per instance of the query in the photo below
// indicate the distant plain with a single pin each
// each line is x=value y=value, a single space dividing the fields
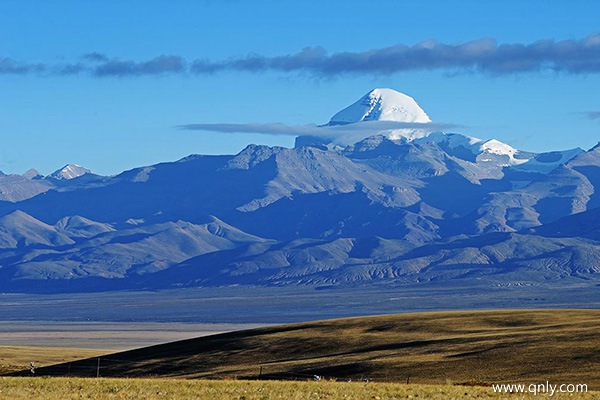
x=126 y=319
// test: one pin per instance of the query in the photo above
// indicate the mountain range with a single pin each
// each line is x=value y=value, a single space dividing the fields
x=398 y=205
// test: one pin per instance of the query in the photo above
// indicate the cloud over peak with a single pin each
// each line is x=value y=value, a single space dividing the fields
x=362 y=129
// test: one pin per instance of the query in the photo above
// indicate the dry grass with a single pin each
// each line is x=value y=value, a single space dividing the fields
x=15 y=358
x=89 y=388
x=561 y=346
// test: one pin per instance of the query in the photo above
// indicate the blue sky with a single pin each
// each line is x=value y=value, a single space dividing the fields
x=103 y=84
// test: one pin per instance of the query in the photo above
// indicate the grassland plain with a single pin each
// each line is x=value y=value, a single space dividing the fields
x=483 y=347
x=164 y=389
x=15 y=358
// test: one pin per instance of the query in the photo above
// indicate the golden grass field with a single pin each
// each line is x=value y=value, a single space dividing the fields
x=452 y=350
x=177 y=389
x=14 y=358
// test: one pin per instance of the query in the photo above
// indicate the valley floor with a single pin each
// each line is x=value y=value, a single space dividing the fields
x=104 y=335
x=261 y=305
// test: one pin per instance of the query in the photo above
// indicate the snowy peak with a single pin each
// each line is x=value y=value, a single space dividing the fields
x=382 y=105
x=69 y=171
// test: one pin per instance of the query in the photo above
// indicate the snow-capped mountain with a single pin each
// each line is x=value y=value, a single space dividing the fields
x=381 y=105
x=396 y=206
x=14 y=187
x=69 y=171
x=391 y=106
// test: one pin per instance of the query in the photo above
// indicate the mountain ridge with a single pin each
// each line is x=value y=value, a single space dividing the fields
x=387 y=209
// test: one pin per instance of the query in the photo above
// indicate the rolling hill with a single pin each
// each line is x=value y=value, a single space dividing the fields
x=462 y=347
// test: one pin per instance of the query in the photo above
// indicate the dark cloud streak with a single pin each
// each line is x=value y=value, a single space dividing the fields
x=484 y=55
x=592 y=114
x=572 y=56
x=70 y=69
x=10 y=67
x=101 y=66
x=157 y=66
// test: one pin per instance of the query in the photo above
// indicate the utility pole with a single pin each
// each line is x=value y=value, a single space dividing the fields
x=98 y=369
